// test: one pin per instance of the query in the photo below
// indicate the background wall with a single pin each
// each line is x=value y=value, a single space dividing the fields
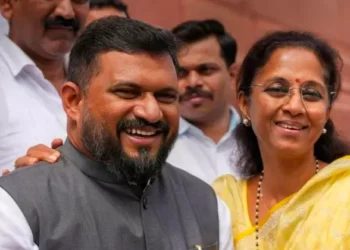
x=247 y=20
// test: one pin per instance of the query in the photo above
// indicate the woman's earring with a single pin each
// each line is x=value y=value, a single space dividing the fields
x=246 y=122
x=324 y=131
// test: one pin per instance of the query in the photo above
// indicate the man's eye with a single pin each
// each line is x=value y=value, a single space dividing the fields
x=127 y=93
x=182 y=73
x=166 y=98
x=206 y=70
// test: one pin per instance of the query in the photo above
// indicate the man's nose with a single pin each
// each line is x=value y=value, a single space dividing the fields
x=148 y=109
x=65 y=9
x=194 y=79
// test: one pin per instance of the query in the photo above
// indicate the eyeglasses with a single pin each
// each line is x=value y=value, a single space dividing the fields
x=313 y=95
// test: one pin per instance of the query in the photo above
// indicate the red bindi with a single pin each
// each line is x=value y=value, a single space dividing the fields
x=297 y=80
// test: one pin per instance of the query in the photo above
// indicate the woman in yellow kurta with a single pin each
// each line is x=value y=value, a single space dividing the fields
x=294 y=192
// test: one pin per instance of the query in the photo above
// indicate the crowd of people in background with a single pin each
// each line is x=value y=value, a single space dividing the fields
x=115 y=134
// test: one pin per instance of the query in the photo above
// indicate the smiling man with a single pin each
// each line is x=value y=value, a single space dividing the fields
x=32 y=69
x=111 y=187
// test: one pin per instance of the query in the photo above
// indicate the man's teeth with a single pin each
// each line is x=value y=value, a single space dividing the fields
x=288 y=126
x=140 y=132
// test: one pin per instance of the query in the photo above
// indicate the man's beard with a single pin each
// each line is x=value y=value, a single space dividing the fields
x=107 y=149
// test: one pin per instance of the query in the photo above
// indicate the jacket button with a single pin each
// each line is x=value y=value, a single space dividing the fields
x=145 y=202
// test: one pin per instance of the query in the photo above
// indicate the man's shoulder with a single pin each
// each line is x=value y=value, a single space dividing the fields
x=183 y=146
x=8 y=79
x=38 y=174
x=12 y=59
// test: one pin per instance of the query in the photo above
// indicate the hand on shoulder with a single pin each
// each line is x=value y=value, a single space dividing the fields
x=38 y=153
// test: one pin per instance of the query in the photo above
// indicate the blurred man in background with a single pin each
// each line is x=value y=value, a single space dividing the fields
x=32 y=69
x=207 y=73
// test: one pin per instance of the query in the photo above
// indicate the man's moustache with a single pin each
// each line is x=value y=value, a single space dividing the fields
x=195 y=92
x=58 y=22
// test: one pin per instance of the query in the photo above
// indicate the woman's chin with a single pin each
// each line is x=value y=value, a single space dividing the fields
x=288 y=149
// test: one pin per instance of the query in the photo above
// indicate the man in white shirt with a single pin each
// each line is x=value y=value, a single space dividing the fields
x=32 y=69
x=205 y=146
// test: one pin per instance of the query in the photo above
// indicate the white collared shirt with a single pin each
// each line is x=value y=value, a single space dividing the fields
x=199 y=155
x=31 y=110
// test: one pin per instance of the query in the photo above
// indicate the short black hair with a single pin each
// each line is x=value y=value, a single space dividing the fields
x=115 y=33
x=329 y=146
x=119 y=5
x=194 y=31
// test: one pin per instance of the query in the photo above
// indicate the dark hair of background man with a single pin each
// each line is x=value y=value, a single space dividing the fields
x=116 y=34
x=194 y=31
x=119 y=5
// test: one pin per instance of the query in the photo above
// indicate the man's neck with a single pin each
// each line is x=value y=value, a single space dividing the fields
x=53 y=70
x=76 y=140
x=217 y=127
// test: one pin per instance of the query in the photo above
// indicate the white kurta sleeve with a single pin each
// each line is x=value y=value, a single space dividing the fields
x=15 y=233
x=225 y=235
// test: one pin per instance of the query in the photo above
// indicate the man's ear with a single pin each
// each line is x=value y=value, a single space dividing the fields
x=6 y=9
x=233 y=71
x=72 y=100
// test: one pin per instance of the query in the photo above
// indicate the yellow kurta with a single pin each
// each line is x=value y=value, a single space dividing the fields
x=316 y=217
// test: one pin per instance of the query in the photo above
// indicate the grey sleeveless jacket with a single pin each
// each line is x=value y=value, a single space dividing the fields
x=75 y=204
